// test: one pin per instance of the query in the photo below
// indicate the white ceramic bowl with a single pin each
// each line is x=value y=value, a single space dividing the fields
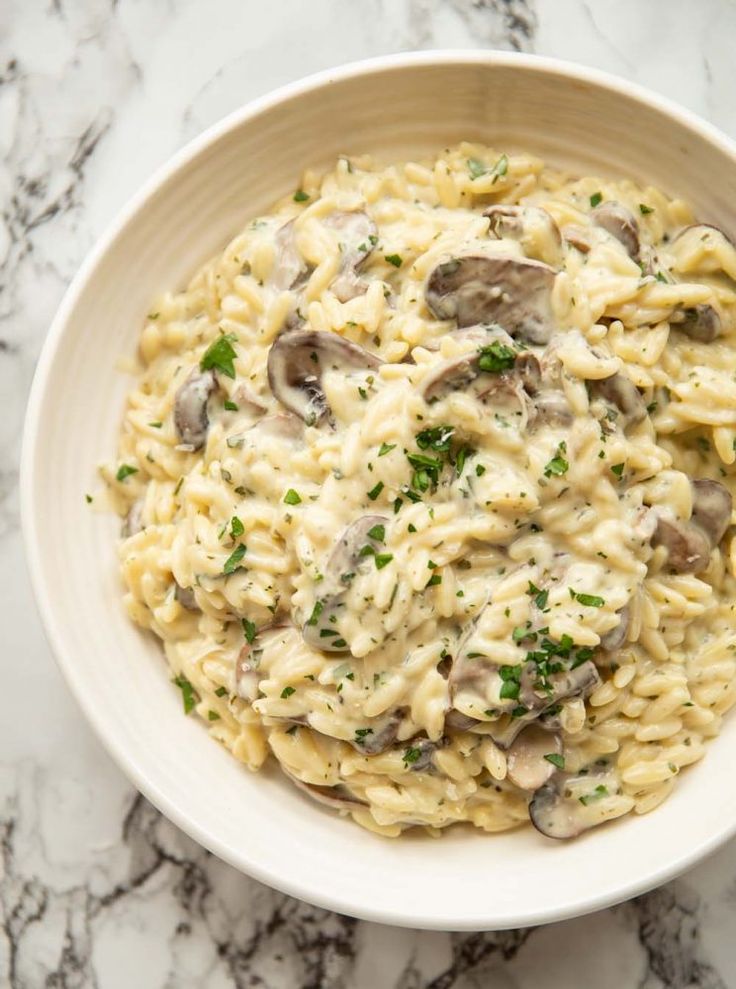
x=260 y=823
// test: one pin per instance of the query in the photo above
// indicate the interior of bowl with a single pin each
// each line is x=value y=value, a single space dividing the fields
x=262 y=824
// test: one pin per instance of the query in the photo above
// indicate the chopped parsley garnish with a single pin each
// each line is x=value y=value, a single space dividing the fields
x=88 y=499
x=540 y=597
x=155 y=425
x=360 y=733
x=229 y=406
x=377 y=532
x=589 y=798
x=232 y=563
x=434 y=580
x=213 y=716
x=382 y=560
x=496 y=357
x=316 y=612
x=617 y=469
x=221 y=692
x=386 y=448
x=555 y=759
x=220 y=355
x=287 y=692
x=557 y=466
x=125 y=470
x=250 y=631
x=375 y=491
x=394 y=259
x=437 y=438
x=477 y=168
x=189 y=695
x=300 y=196
x=596 y=198
x=644 y=209
x=236 y=527
x=479 y=470
x=292 y=497
x=411 y=755
x=589 y=600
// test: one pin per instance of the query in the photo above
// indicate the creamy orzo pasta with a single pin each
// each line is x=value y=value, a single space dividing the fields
x=427 y=483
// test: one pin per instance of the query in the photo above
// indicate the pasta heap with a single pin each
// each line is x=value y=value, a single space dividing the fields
x=427 y=483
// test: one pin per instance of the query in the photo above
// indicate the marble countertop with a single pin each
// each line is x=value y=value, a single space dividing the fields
x=96 y=888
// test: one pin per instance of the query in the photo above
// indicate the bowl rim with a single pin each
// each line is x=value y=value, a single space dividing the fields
x=136 y=773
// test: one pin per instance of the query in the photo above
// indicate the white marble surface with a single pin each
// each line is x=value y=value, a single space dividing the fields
x=96 y=889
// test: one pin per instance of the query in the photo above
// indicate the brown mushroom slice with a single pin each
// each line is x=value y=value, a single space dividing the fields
x=297 y=361
x=615 y=637
x=185 y=597
x=515 y=294
x=380 y=736
x=579 y=237
x=701 y=322
x=457 y=721
x=531 y=226
x=190 y=408
x=712 y=508
x=705 y=250
x=526 y=762
x=354 y=547
x=289 y=268
x=568 y=805
x=133 y=521
x=421 y=754
x=459 y=373
x=620 y=223
x=620 y=390
x=336 y=797
x=689 y=544
x=551 y=408
x=357 y=234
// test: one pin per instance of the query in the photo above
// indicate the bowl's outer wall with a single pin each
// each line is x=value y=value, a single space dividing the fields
x=259 y=822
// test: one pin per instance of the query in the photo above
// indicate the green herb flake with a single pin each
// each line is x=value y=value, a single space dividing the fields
x=88 y=499
x=189 y=695
x=558 y=465
x=229 y=406
x=555 y=759
x=411 y=755
x=220 y=355
x=300 y=196
x=386 y=448
x=287 y=692
x=590 y=798
x=213 y=716
x=644 y=209
x=236 y=527
x=496 y=357
x=477 y=168
x=382 y=560
x=316 y=612
x=249 y=631
x=617 y=469
x=232 y=563
x=479 y=470
x=292 y=497
x=375 y=491
x=377 y=532
x=221 y=692
x=155 y=425
x=588 y=600
x=125 y=470
x=394 y=259
x=434 y=580
x=596 y=199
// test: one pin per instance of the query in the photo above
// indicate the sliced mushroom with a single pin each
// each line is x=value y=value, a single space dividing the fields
x=281 y=425
x=246 y=400
x=423 y=763
x=568 y=805
x=551 y=408
x=290 y=268
x=620 y=223
x=620 y=390
x=190 y=408
x=712 y=508
x=185 y=597
x=516 y=294
x=579 y=237
x=133 y=521
x=704 y=249
x=297 y=361
x=380 y=736
x=357 y=234
x=336 y=797
x=353 y=549
x=459 y=373
x=701 y=322
x=689 y=544
x=457 y=721
x=615 y=637
x=527 y=765
x=531 y=226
